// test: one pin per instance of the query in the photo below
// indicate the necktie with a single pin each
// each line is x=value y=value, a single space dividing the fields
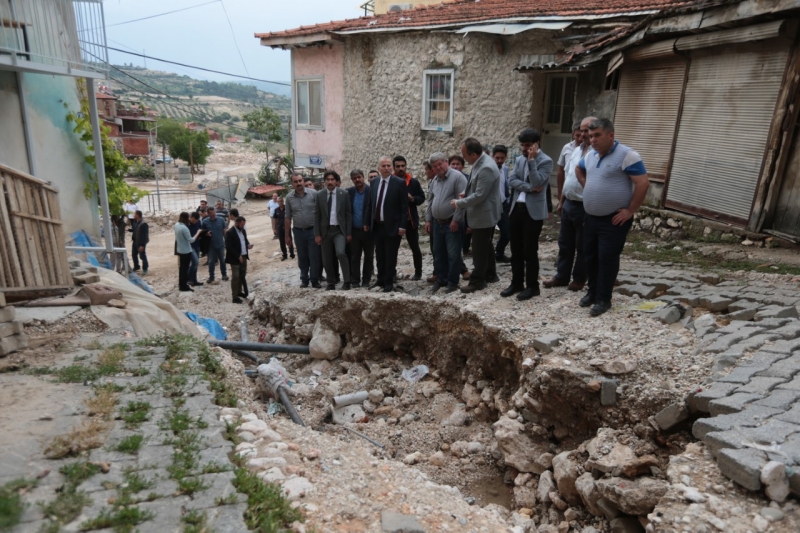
x=330 y=205
x=380 y=202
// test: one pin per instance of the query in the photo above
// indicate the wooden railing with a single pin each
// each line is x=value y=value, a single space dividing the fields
x=33 y=257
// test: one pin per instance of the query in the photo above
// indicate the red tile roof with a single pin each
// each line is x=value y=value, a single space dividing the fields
x=461 y=12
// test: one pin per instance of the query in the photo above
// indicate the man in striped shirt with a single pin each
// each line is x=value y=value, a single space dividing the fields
x=614 y=184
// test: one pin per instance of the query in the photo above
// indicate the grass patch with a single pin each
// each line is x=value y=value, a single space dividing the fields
x=66 y=507
x=78 y=358
x=38 y=371
x=231 y=434
x=102 y=403
x=135 y=414
x=230 y=499
x=95 y=345
x=88 y=436
x=267 y=508
x=130 y=445
x=140 y=387
x=109 y=362
x=121 y=520
x=194 y=522
x=77 y=473
x=146 y=352
x=11 y=504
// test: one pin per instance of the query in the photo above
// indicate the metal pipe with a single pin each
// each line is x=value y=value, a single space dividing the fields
x=376 y=443
x=349 y=399
x=97 y=140
x=261 y=347
x=253 y=357
x=283 y=396
x=243 y=321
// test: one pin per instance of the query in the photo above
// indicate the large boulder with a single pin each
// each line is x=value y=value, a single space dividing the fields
x=586 y=488
x=566 y=471
x=519 y=450
x=325 y=344
x=634 y=497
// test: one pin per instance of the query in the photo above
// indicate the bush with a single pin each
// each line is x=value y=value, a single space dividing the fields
x=141 y=169
x=265 y=175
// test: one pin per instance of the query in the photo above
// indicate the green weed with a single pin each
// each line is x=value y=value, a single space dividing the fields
x=267 y=508
x=135 y=414
x=121 y=520
x=11 y=504
x=78 y=472
x=130 y=444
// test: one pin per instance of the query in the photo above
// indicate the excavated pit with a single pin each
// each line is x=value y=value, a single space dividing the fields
x=492 y=414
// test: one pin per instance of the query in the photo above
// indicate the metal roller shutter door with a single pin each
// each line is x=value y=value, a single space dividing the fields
x=727 y=111
x=648 y=101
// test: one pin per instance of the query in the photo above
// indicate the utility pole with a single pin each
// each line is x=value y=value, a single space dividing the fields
x=155 y=167
x=191 y=160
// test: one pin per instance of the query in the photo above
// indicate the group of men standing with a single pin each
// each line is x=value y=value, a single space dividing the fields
x=601 y=184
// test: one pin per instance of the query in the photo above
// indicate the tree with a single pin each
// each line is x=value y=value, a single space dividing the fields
x=267 y=124
x=168 y=129
x=190 y=146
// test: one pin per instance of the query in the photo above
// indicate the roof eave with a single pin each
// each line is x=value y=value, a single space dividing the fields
x=298 y=41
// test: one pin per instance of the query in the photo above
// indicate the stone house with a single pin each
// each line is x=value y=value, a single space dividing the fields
x=709 y=96
x=419 y=81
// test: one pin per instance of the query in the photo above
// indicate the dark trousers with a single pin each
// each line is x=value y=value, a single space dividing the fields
x=214 y=255
x=361 y=244
x=282 y=241
x=447 y=246
x=505 y=235
x=239 y=278
x=430 y=242
x=183 y=270
x=308 y=254
x=603 y=243
x=570 y=243
x=137 y=255
x=412 y=237
x=466 y=238
x=333 y=254
x=195 y=261
x=524 y=247
x=484 y=267
x=386 y=248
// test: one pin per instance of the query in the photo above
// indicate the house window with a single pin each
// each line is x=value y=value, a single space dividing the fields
x=561 y=103
x=308 y=95
x=612 y=81
x=437 y=100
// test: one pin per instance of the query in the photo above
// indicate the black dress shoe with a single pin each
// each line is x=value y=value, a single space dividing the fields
x=304 y=284
x=388 y=288
x=599 y=308
x=416 y=277
x=473 y=287
x=510 y=291
x=346 y=286
x=587 y=300
x=316 y=285
x=323 y=278
x=197 y=284
x=528 y=293
x=452 y=288
x=493 y=279
x=283 y=258
x=238 y=300
x=330 y=287
x=375 y=285
x=436 y=287
x=186 y=289
x=502 y=259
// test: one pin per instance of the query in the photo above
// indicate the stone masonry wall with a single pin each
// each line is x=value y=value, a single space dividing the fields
x=383 y=94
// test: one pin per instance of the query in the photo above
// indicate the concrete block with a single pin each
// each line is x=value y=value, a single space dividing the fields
x=11 y=328
x=784 y=368
x=756 y=341
x=743 y=314
x=781 y=300
x=608 y=391
x=74 y=263
x=743 y=374
x=546 y=343
x=646 y=292
x=671 y=416
x=392 y=522
x=789 y=332
x=699 y=399
x=720 y=440
x=12 y=344
x=2 y=299
x=735 y=326
x=773 y=430
x=85 y=279
x=669 y=314
x=8 y=314
x=779 y=399
x=791 y=416
x=731 y=404
x=101 y=294
x=793 y=385
x=776 y=311
x=772 y=323
x=727 y=340
x=741 y=305
x=751 y=416
x=742 y=466
x=715 y=302
x=760 y=385
x=707 y=277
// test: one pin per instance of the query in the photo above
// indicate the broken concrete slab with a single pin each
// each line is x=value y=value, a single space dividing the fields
x=671 y=416
x=715 y=302
x=742 y=466
x=47 y=315
x=100 y=294
x=11 y=328
x=546 y=343
x=13 y=344
x=8 y=314
x=776 y=311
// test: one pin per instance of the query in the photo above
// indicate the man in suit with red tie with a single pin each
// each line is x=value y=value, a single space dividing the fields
x=387 y=216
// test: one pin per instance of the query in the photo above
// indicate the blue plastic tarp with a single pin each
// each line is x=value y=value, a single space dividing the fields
x=213 y=327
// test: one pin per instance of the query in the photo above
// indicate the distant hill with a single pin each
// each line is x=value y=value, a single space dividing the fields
x=219 y=105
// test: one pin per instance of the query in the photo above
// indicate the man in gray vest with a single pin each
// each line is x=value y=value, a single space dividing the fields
x=300 y=214
x=614 y=184
x=483 y=205
x=570 y=207
x=528 y=182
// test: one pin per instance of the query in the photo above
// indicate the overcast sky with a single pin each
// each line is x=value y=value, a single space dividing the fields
x=202 y=36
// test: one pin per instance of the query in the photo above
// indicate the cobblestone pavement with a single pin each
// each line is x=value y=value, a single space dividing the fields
x=162 y=463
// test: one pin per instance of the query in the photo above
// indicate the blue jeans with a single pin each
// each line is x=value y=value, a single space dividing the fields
x=447 y=254
x=193 y=267
x=308 y=255
x=214 y=255
x=570 y=243
x=603 y=243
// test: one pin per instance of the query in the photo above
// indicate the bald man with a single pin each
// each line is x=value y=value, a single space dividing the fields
x=387 y=217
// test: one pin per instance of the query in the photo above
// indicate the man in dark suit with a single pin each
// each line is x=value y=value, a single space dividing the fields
x=333 y=228
x=416 y=197
x=388 y=216
x=361 y=243
x=141 y=236
x=236 y=255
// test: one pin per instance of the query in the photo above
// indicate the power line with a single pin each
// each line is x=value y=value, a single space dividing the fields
x=161 y=14
x=233 y=34
x=198 y=68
